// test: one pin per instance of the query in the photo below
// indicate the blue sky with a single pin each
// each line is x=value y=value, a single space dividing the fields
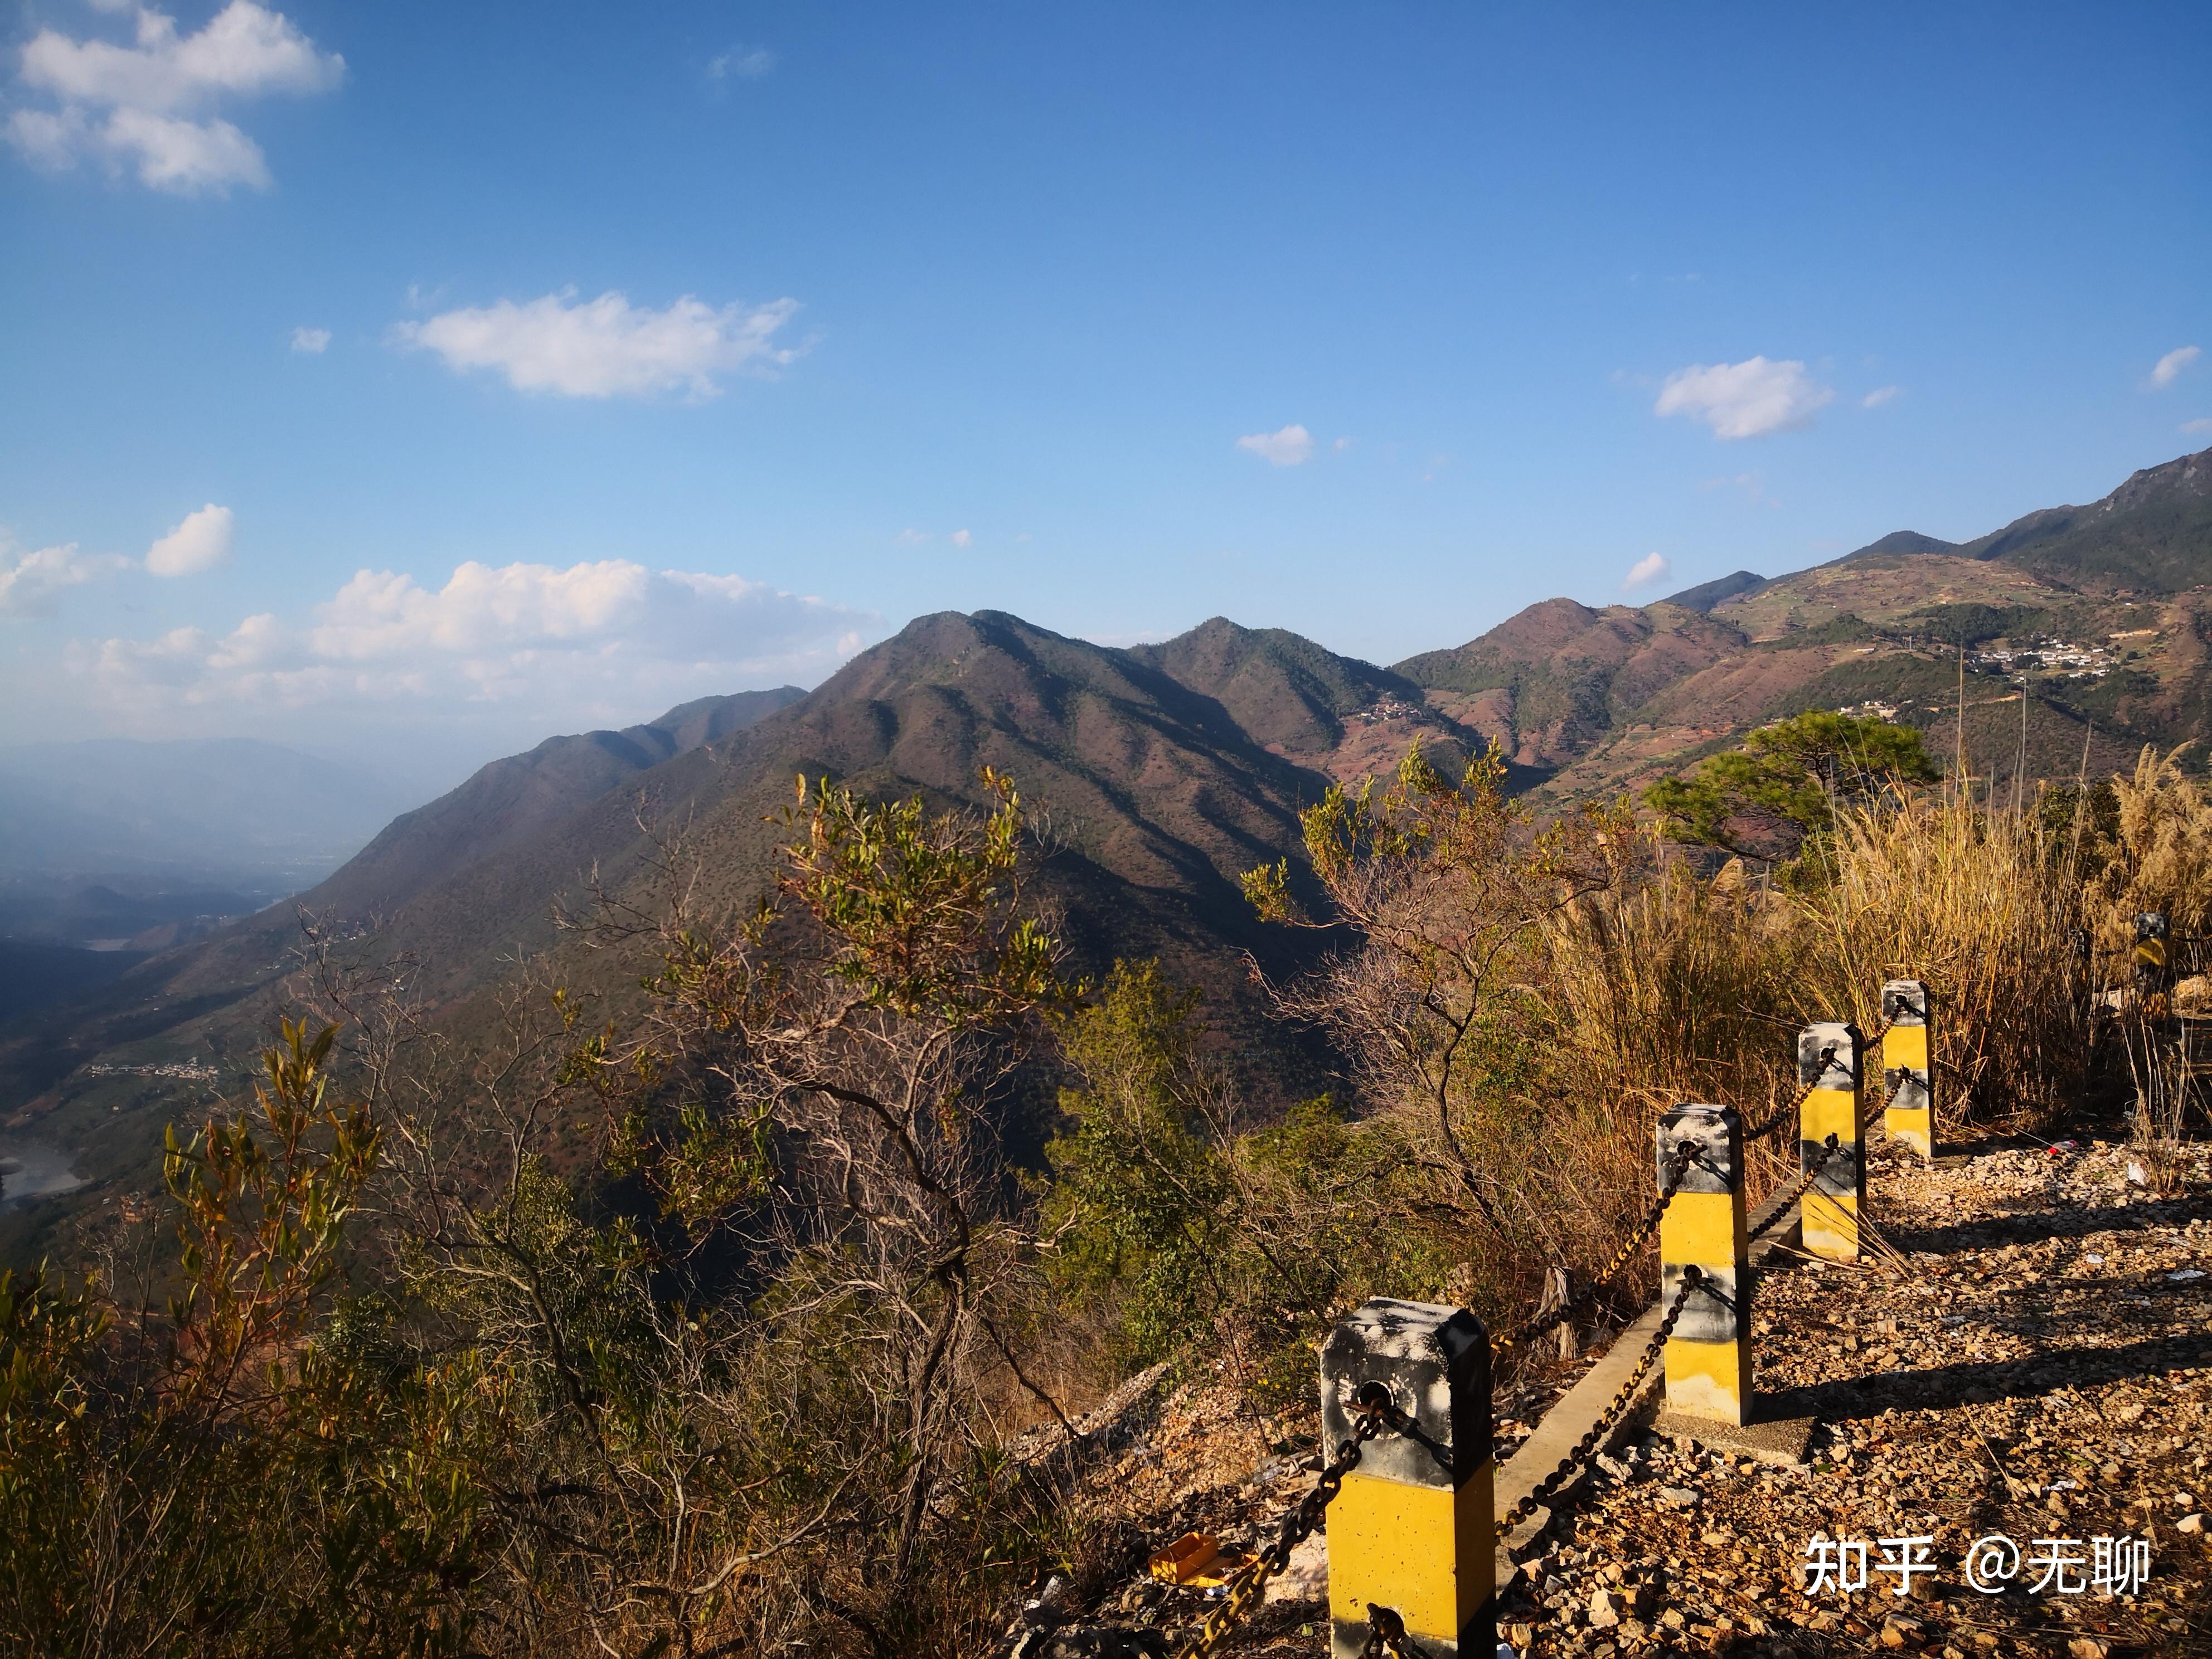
x=708 y=343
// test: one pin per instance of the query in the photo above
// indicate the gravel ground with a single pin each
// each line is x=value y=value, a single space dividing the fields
x=2026 y=1350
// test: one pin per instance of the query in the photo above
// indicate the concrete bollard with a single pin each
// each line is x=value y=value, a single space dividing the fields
x=2153 y=959
x=1908 y=1067
x=1414 y=1528
x=1828 y=1070
x=1709 y=1355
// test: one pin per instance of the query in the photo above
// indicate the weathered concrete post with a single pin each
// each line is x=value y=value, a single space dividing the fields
x=1414 y=1528
x=1709 y=1355
x=1828 y=1070
x=1908 y=1065
x=2152 y=958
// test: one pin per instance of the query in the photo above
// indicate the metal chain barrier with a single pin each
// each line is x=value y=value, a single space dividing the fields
x=1387 y=1637
x=1249 y=1583
x=1385 y=1634
x=1788 y=1113
x=1607 y=1419
x=1530 y=1328
x=1871 y=1044
x=1804 y=1185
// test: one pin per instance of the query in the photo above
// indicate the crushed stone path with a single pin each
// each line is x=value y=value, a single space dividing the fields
x=2026 y=1350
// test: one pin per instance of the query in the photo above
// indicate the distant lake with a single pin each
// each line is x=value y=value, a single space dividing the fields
x=29 y=1170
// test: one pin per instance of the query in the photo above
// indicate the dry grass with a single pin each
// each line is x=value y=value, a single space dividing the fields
x=1680 y=989
x=1982 y=906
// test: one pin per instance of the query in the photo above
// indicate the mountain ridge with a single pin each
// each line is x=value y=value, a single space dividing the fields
x=1160 y=773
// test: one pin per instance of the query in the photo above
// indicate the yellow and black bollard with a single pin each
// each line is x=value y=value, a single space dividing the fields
x=1828 y=1070
x=1908 y=1065
x=1412 y=1530
x=1709 y=1355
x=2152 y=958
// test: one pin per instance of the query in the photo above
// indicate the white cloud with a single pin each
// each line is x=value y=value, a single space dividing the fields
x=741 y=63
x=1879 y=396
x=1292 y=447
x=553 y=641
x=150 y=105
x=962 y=538
x=30 y=583
x=1748 y=399
x=312 y=341
x=2197 y=426
x=1341 y=445
x=201 y=543
x=2167 y=369
x=1651 y=568
x=910 y=537
x=607 y=347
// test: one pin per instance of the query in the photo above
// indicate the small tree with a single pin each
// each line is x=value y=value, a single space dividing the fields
x=817 y=1086
x=1446 y=886
x=1143 y=1201
x=1787 y=780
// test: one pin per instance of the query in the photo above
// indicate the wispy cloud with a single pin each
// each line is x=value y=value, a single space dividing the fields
x=962 y=538
x=201 y=543
x=2167 y=369
x=1752 y=484
x=534 y=635
x=741 y=63
x=31 y=583
x=2197 y=426
x=1750 y=399
x=608 y=348
x=1879 y=396
x=150 y=106
x=311 y=342
x=1651 y=568
x=1292 y=447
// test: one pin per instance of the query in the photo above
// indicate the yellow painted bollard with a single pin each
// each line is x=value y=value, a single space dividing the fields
x=1828 y=1070
x=1908 y=1065
x=2152 y=959
x=1414 y=1528
x=1709 y=1354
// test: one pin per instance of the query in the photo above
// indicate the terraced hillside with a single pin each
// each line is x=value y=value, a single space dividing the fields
x=2095 y=615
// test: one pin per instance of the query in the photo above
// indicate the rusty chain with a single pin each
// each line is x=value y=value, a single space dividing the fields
x=1783 y=1114
x=1250 y=1583
x=1870 y=1043
x=1804 y=1184
x=1385 y=1634
x=1529 y=1329
x=1691 y=1277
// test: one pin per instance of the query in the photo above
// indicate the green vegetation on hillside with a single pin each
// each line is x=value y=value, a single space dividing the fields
x=1790 y=779
x=717 y=1320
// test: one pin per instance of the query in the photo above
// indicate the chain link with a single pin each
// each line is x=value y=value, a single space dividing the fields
x=1680 y=1161
x=1796 y=1106
x=1385 y=1634
x=1870 y=1043
x=1804 y=1185
x=1250 y=1583
x=1691 y=1277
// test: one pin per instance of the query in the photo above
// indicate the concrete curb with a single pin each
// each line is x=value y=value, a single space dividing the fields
x=1573 y=1416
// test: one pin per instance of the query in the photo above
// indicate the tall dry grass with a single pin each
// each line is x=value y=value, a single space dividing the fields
x=1979 y=905
x=1678 y=989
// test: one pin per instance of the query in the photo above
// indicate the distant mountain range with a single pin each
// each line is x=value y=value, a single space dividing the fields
x=1162 y=772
